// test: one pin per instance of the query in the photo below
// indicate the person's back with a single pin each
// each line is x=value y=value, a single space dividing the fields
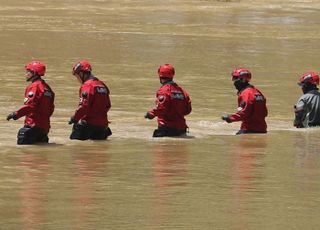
x=43 y=105
x=98 y=102
x=172 y=104
x=90 y=119
x=311 y=112
x=252 y=109
x=38 y=106
x=176 y=106
x=255 y=112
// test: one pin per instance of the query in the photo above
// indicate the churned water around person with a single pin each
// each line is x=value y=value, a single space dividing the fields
x=211 y=180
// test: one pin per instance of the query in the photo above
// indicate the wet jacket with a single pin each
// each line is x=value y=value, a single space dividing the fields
x=38 y=105
x=252 y=110
x=307 y=110
x=172 y=104
x=94 y=103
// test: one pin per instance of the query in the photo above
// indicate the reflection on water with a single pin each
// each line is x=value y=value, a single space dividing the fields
x=233 y=182
x=213 y=181
x=247 y=176
x=89 y=169
x=248 y=158
x=33 y=197
x=169 y=162
x=170 y=171
x=307 y=161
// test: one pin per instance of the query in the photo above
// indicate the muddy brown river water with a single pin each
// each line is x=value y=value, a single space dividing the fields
x=212 y=180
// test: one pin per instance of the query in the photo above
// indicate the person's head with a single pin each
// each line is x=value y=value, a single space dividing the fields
x=34 y=70
x=241 y=78
x=82 y=70
x=166 y=73
x=309 y=81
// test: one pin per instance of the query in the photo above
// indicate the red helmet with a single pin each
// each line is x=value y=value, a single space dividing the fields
x=241 y=73
x=166 y=71
x=81 y=66
x=36 y=67
x=309 y=77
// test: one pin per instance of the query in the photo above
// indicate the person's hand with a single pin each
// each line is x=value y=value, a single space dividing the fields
x=226 y=118
x=12 y=115
x=149 y=116
x=72 y=121
x=297 y=124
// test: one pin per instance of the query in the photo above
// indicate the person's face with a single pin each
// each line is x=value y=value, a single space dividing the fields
x=236 y=82
x=29 y=75
x=161 y=80
x=239 y=83
x=304 y=88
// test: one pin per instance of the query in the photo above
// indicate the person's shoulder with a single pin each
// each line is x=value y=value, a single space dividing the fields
x=31 y=87
x=85 y=86
x=101 y=82
x=87 y=83
x=43 y=83
x=165 y=88
x=252 y=89
x=314 y=92
x=36 y=85
x=304 y=97
x=258 y=90
x=89 y=86
x=248 y=92
x=309 y=95
x=180 y=87
x=94 y=81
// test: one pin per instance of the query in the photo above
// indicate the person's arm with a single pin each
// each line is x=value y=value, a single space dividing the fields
x=32 y=97
x=162 y=104
x=244 y=109
x=108 y=99
x=188 y=104
x=299 y=110
x=84 y=103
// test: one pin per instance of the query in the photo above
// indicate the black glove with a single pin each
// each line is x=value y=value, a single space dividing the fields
x=72 y=121
x=297 y=123
x=148 y=116
x=226 y=118
x=12 y=115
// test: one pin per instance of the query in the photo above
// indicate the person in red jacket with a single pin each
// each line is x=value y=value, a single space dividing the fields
x=172 y=104
x=90 y=120
x=38 y=107
x=252 y=109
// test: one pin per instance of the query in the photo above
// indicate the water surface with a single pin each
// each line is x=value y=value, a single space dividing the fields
x=213 y=180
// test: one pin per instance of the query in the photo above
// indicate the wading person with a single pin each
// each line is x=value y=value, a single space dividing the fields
x=90 y=120
x=307 y=109
x=38 y=107
x=252 y=108
x=172 y=105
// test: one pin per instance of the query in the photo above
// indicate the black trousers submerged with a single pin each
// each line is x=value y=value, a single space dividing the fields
x=241 y=131
x=89 y=132
x=163 y=131
x=31 y=135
